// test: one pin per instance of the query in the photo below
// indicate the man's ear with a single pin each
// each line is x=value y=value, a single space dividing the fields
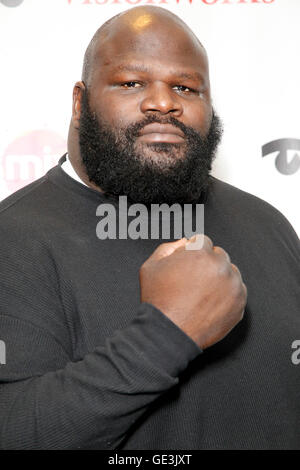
x=78 y=90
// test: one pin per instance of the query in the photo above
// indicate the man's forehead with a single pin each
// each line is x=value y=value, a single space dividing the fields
x=153 y=34
x=145 y=32
x=151 y=44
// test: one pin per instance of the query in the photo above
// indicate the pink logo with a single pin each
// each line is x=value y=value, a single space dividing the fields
x=30 y=156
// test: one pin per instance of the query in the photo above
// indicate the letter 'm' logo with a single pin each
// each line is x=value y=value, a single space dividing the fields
x=281 y=162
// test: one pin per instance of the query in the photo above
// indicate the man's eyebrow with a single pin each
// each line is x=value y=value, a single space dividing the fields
x=133 y=68
x=141 y=68
x=190 y=75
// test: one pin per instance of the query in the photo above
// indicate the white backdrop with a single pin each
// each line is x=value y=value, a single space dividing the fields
x=254 y=51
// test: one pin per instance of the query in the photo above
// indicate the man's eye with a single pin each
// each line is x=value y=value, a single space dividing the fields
x=130 y=85
x=184 y=88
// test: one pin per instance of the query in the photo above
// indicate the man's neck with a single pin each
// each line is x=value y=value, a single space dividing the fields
x=68 y=168
x=75 y=169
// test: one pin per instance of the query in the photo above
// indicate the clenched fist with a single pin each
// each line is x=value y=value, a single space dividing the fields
x=200 y=290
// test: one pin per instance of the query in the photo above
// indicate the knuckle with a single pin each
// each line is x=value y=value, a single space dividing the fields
x=219 y=249
x=161 y=248
x=209 y=240
x=235 y=268
x=221 y=266
x=207 y=243
x=237 y=286
x=225 y=256
x=162 y=245
x=166 y=245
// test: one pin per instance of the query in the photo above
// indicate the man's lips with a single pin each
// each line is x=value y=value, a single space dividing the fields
x=161 y=133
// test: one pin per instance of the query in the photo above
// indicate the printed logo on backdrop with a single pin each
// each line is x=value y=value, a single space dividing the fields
x=169 y=2
x=11 y=3
x=287 y=160
x=30 y=156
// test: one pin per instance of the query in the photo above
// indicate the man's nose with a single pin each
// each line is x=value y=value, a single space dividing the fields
x=161 y=98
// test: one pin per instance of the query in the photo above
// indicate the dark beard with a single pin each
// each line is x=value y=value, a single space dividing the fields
x=114 y=164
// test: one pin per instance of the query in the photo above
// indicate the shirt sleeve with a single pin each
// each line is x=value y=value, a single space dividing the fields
x=50 y=402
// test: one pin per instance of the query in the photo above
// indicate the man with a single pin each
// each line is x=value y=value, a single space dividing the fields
x=133 y=343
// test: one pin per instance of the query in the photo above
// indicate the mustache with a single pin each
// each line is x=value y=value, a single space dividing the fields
x=133 y=130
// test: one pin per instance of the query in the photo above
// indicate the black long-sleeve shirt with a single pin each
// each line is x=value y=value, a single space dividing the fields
x=88 y=366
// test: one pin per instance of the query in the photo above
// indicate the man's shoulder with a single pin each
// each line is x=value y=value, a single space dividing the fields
x=22 y=216
x=22 y=196
x=239 y=202
x=254 y=218
x=229 y=193
x=31 y=210
x=36 y=201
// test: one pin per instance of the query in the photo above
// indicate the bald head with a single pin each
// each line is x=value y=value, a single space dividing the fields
x=136 y=21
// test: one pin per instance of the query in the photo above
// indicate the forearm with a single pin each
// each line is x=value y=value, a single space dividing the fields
x=94 y=403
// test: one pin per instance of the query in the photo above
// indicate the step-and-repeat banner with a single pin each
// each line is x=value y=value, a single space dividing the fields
x=254 y=50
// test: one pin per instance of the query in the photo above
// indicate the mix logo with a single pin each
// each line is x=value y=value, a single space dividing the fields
x=11 y=3
x=283 y=146
x=30 y=156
